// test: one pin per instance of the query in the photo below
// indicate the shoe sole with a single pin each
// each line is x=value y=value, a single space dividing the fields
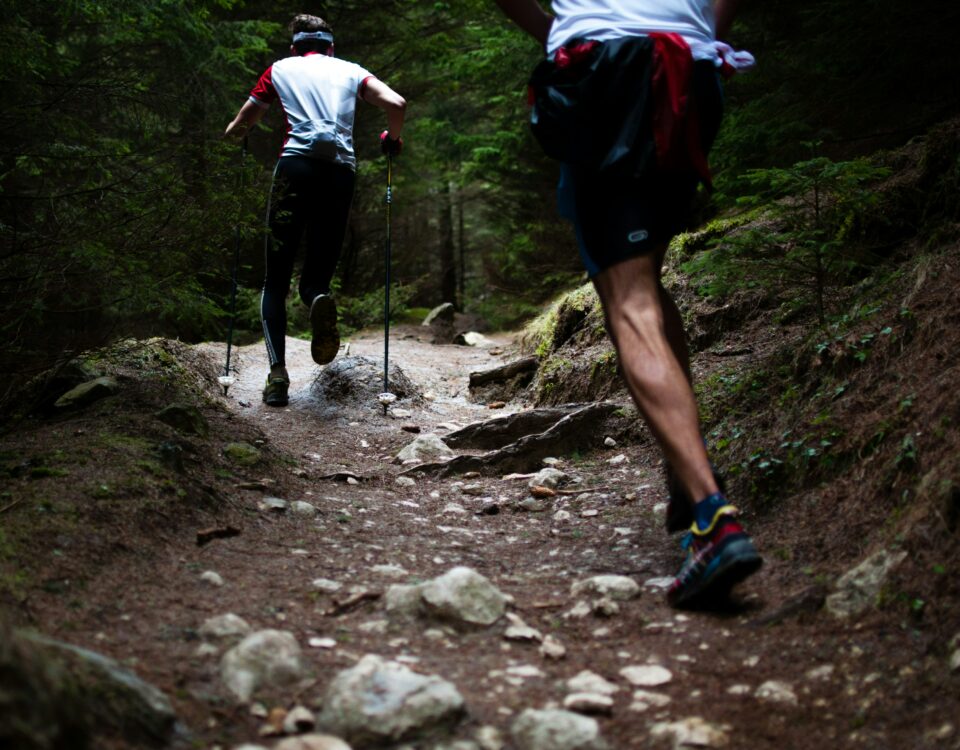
x=325 y=339
x=736 y=563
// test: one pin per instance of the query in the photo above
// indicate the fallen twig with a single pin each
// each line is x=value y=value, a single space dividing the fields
x=206 y=536
x=582 y=490
x=15 y=503
x=352 y=601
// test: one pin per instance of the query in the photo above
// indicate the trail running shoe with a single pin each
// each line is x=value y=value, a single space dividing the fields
x=325 y=341
x=679 y=506
x=718 y=558
x=275 y=392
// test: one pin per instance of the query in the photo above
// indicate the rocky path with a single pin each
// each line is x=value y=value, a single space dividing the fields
x=387 y=608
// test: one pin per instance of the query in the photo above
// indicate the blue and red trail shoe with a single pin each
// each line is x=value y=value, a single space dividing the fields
x=719 y=556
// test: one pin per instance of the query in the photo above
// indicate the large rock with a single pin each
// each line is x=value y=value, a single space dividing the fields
x=262 y=662
x=86 y=393
x=553 y=729
x=54 y=694
x=184 y=418
x=423 y=448
x=464 y=596
x=857 y=589
x=380 y=702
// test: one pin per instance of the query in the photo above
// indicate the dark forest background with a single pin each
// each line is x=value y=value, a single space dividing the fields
x=119 y=200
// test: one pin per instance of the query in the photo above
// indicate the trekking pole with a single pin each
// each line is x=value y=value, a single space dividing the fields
x=226 y=380
x=386 y=398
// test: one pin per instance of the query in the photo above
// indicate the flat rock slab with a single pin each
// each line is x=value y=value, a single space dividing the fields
x=86 y=393
x=500 y=431
x=380 y=702
x=575 y=430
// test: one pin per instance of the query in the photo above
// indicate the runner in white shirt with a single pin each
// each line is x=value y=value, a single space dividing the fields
x=626 y=188
x=313 y=181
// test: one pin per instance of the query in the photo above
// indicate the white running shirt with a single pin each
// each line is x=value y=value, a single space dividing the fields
x=611 y=19
x=318 y=94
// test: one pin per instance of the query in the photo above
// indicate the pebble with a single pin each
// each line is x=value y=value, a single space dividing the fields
x=390 y=571
x=518 y=630
x=531 y=505
x=472 y=489
x=549 y=477
x=401 y=413
x=590 y=513
x=273 y=504
x=823 y=672
x=776 y=691
x=647 y=675
x=621 y=588
x=644 y=700
x=588 y=703
x=658 y=584
x=326 y=585
x=322 y=643
x=312 y=742
x=211 y=577
x=300 y=719
x=692 y=732
x=590 y=682
x=302 y=508
x=489 y=738
x=525 y=670
x=561 y=516
x=738 y=690
x=552 y=648
x=610 y=442
x=224 y=626
x=580 y=609
x=405 y=481
x=453 y=509
x=620 y=458
x=205 y=650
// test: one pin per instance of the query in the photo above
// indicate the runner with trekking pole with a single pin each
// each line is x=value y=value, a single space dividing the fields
x=628 y=100
x=313 y=182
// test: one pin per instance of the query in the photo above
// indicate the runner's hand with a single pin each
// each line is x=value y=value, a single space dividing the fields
x=390 y=146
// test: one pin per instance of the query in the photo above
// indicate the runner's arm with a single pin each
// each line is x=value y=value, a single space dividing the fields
x=377 y=93
x=248 y=116
x=723 y=13
x=530 y=16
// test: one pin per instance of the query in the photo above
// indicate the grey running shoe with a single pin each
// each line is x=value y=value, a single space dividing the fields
x=325 y=342
x=275 y=392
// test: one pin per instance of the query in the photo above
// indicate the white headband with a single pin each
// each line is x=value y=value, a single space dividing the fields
x=320 y=36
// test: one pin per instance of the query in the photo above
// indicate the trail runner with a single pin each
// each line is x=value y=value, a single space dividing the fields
x=313 y=181
x=629 y=101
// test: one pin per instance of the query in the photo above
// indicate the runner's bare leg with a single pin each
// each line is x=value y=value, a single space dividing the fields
x=647 y=331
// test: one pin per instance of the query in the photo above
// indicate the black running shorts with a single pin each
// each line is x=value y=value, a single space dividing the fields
x=621 y=217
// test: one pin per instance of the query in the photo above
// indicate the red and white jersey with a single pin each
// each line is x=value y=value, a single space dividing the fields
x=318 y=94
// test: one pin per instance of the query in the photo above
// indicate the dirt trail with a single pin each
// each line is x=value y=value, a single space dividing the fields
x=842 y=686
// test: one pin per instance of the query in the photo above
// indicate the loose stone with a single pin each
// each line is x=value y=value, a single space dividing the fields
x=265 y=659
x=302 y=508
x=588 y=703
x=273 y=504
x=224 y=626
x=326 y=585
x=620 y=588
x=644 y=700
x=518 y=630
x=405 y=482
x=692 y=732
x=312 y=742
x=551 y=648
x=553 y=729
x=776 y=691
x=299 y=720
x=211 y=577
x=590 y=682
x=647 y=675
